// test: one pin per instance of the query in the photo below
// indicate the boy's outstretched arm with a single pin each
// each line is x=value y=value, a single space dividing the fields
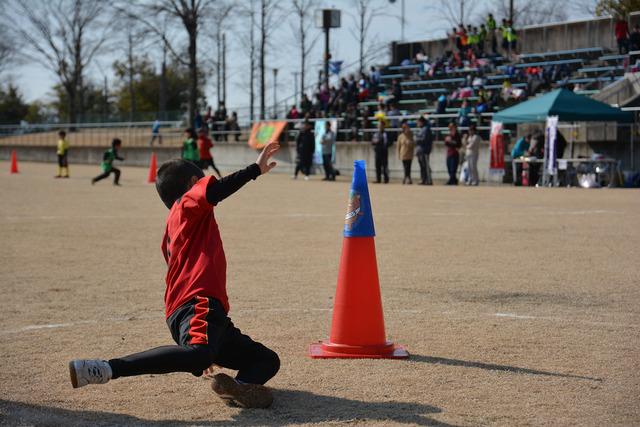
x=221 y=189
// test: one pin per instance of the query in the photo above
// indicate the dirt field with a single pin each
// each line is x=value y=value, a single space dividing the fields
x=518 y=306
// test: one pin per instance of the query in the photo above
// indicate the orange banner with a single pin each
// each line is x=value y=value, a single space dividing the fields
x=264 y=133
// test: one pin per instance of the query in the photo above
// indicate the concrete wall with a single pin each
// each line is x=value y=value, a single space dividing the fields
x=230 y=156
x=596 y=32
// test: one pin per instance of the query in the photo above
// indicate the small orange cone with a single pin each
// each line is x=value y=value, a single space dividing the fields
x=357 y=328
x=14 y=162
x=153 y=168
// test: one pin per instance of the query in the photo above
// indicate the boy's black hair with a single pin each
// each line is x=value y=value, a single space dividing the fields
x=62 y=134
x=173 y=179
x=115 y=141
x=191 y=132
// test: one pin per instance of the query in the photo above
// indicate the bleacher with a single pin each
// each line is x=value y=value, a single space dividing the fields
x=590 y=68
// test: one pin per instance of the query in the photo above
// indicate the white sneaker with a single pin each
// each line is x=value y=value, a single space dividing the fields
x=306 y=178
x=85 y=372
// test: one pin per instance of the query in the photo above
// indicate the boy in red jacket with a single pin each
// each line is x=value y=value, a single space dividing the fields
x=196 y=295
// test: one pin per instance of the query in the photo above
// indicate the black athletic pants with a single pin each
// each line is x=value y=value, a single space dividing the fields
x=382 y=166
x=205 y=163
x=407 y=170
x=328 y=167
x=116 y=173
x=205 y=336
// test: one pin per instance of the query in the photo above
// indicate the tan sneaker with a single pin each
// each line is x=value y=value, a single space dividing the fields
x=242 y=395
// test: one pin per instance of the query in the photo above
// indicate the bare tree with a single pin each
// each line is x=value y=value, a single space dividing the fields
x=190 y=15
x=366 y=12
x=531 y=13
x=303 y=11
x=457 y=12
x=269 y=13
x=64 y=37
x=220 y=18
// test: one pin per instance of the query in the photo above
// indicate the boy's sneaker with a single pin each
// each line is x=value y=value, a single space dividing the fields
x=83 y=372
x=242 y=395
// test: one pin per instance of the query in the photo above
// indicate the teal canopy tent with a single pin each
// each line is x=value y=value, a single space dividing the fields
x=568 y=106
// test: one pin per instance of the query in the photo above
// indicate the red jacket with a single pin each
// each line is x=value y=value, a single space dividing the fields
x=622 y=30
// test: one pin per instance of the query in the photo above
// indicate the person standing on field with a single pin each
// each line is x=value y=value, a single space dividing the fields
x=406 y=147
x=472 y=143
x=453 y=142
x=381 y=142
x=62 y=152
x=424 y=142
x=328 y=142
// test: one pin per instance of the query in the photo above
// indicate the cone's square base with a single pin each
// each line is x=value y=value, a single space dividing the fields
x=324 y=350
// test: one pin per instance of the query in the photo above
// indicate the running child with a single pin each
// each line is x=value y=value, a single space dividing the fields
x=190 y=147
x=205 y=144
x=107 y=163
x=196 y=304
x=63 y=151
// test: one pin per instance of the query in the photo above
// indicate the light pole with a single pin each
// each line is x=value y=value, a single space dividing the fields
x=275 y=86
x=327 y=19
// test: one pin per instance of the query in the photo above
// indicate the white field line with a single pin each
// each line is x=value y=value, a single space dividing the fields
x=448 y=314
x=307 y=215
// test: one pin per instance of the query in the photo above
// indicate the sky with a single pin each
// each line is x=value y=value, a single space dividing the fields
x=422 y=21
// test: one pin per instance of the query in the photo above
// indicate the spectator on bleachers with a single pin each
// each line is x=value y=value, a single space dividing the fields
x=396 y=91
x=406 y=147
x=453 y=142
x=381 y=143
x=491 y=33
x=293 y=113
x=622 y=35
x=424 y=144
x=374 y=77
x=463 y=114
x=472 y=143
x=305 y=104
x=461 y=39
x=482 y=40
x=351 y=121
x=634 y=38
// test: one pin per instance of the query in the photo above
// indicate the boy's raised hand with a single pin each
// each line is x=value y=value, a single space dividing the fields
x=265 y=156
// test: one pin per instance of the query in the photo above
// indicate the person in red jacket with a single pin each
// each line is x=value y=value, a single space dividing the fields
x=205 y=145
x=622 y=35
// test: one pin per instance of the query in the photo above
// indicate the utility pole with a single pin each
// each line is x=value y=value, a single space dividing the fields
x=511 y=12
x=105 y=104
x=224 y=69
x=275 y=89
x=462 y=12
x=402 y=23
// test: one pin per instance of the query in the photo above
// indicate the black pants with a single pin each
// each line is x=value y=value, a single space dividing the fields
x=305 y=165
x=205 y=336
x=382 y=166
x=407 y=171
x=329 y=173
x=452 y=168
x=205 y=163
x=116 y=177
x=425 y=168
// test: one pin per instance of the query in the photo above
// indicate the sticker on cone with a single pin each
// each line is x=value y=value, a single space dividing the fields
x=359 y=219
x=357 y=327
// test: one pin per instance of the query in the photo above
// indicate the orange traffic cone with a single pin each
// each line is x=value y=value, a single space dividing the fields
x=153 y=168
x=357 y=328
x=14 y=162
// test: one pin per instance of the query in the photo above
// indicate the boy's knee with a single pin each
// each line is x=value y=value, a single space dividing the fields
x=272 y=361
x=203 y=356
